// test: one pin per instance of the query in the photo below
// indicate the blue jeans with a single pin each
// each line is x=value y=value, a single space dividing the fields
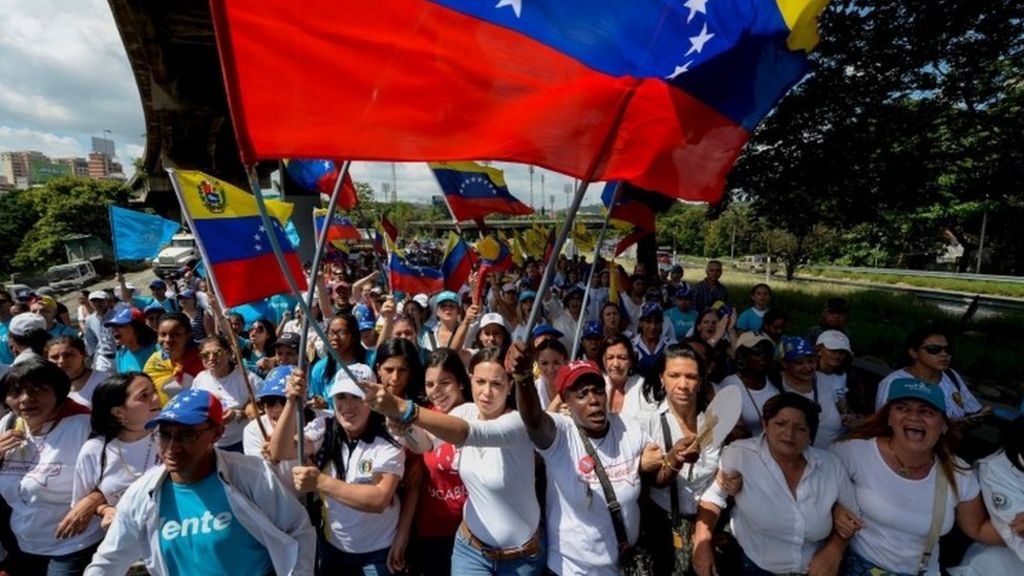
x=468 y=561
x=73 y=564
x=333 y=561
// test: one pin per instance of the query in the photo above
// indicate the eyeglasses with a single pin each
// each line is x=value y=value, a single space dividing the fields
x=257 y=328
x=936 y=349
x=273 y=401
x=211 y=354
x=182 y=436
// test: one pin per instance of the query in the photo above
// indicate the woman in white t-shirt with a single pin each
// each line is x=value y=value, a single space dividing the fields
x=121 y=449
x=753 y=354
x=68 y=352
x=225 y=379
x=686 y=470
x=356 y=472
x=551 y=356
x=899 y=461
x=40 y=442
x=624 y=389
x=782 y=517
x=1002 y=487
x=799 y=375
x=500 y=533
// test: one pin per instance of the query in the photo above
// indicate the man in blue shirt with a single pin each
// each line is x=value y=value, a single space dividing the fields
x=5 y=320
x=204 y=511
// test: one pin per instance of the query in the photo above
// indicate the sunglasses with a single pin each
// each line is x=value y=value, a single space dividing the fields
x=935 y=349
x=273 y=401
x=211 y=354
x=182 y=436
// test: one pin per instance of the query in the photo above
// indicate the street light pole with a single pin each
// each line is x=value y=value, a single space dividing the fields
x=981 y=242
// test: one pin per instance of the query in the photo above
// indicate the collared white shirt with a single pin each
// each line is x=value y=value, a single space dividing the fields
x=780 y=532
x=693 y=479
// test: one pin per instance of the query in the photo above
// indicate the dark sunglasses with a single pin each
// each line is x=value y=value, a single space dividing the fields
x=935 y=349
x=273 y=401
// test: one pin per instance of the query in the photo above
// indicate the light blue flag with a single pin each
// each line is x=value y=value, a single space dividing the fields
x=137 y=235
x=292 y=232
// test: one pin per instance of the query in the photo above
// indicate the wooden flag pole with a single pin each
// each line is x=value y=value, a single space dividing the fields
x=593 y=269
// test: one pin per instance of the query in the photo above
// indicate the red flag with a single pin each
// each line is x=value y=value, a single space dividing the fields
x=389 y=229
x=665 y=98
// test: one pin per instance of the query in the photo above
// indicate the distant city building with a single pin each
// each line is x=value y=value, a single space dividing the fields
x=103 y=146
x=79 y=166
x=101 y=166
x=24 y=168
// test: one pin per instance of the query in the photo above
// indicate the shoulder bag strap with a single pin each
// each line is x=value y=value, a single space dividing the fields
x=938 y=518
x=673 y=490
x=609 y=494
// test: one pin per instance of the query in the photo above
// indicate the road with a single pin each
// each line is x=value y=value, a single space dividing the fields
x=140 y=279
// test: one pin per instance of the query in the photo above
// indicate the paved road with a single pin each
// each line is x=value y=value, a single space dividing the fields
x=140 y=279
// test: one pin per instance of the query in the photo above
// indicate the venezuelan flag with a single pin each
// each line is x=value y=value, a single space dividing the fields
x=405 y=277
x=320 y=176
x=457 y=264
x=474 y=191
x=340 y=228
x=660 y=93
x=234 y=243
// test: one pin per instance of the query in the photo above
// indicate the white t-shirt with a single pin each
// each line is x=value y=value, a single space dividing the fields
x=897 y=511
x=581 y=536
x=252 y=445
x=780 y=532
x=125 y=463
x=1002 y=486
x=693 y=479
x=835 y=381
x=753 y=402
x=955 y=409
x=361 y=532
x=231 y=392
x=36 y=481
x=497 y=466
x=84 y=395
x=830 y=422
x=635 y=405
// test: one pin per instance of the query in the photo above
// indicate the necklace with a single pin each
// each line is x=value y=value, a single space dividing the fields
x=905 y=470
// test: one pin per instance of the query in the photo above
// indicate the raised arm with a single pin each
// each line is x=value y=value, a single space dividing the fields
x=447 y=428
x=539 y=424
x=283 y=441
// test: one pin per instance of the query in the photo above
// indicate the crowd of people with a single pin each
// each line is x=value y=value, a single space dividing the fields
x=158 y=433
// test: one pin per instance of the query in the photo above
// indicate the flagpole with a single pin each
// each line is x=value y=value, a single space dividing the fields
x=593 y=270
x=233 y=342
x=113 y=237
x=318 y=253
x=275 y=246
x=570 y=216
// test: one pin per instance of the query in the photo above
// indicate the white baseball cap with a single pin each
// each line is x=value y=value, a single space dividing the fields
x=493 y=318
x=834 y=340
x=344 y=385
x=26 y=322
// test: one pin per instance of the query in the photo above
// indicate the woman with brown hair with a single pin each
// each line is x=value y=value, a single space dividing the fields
x=909 y=485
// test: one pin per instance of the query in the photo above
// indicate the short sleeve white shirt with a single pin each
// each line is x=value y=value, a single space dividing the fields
x=231 y=392
x=753 y=402
x=125 y=463
x=897 y=511
x=781 y=532
x=1002 y=486
x=360 y=532
x=581 y=536
x=830 y=422
x=83 y=395
x=693 y=479
x=497 y=466
x=635 y=405
x=36 y=480
x=252 y=444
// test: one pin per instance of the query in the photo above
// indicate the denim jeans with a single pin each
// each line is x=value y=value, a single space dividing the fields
x=332 y=561
x=73 y=564
x=468 y=561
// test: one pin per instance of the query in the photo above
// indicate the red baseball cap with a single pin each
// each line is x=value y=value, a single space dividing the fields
x=571 y=373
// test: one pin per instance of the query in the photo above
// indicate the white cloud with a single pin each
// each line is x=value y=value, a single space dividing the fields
x=52 y=145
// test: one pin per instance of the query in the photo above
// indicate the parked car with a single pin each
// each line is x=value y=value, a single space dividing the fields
x=74 y=276
x=18 y=291
x=754 y=263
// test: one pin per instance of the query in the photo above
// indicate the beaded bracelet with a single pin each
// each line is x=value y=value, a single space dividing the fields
x=407 y=416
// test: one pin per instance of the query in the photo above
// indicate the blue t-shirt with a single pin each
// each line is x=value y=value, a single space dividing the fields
x=6 y=357
x=682 y=322
x=127 y=361
x=200 y=535
x=59 y=330
x=750 y=320
x=320 y=382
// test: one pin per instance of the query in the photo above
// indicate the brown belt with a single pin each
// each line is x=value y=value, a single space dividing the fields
x=530 y=548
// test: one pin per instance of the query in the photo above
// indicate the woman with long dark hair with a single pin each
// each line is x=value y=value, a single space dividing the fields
x=357 y=471
x=398 y=367
x=68 y=352
x=343 y=338
x=121 y=449
x=259 y=350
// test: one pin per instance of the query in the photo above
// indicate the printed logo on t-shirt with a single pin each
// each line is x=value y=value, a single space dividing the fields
x=1001 y=501
x=32 y=469
x=195 y=525
x=365 y=466
x=623 y=472
x=446 y=458
x=585 y=465
x=454 y=493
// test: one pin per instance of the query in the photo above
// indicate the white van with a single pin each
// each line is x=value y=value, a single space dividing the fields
x=73 y=276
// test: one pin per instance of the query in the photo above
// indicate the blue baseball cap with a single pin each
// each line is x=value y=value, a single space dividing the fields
x=527 y=295
x=592 y=329
x=794 y=347
x=650 y=309
x=187 y=293
x=123 y=317
x=190 y=408
x=367 y=324
x=446 y=296
x=154 y=307
x=158 y=283
x=275 y=383
x=545 y=330
x=683 y=291
x=902 y=388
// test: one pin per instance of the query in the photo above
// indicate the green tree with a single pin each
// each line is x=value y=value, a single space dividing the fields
x=61 y=207
x=16 y=220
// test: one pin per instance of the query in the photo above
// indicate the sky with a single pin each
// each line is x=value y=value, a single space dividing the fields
x=64 y=78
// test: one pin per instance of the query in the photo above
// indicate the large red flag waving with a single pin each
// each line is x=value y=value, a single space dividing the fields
x=659 y=93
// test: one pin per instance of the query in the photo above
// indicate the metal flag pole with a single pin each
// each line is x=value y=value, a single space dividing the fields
x=570 y=216
x=275 y=246
x=593 y=269
x=318 y=253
